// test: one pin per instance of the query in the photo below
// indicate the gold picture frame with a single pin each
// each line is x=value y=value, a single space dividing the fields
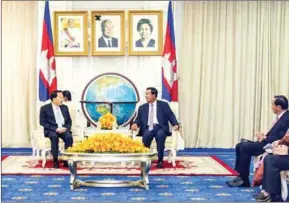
x=70 y=33
x=108 y=33
x=145 y=33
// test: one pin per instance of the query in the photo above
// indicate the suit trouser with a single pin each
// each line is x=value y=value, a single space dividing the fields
x=244 y=152
x=160 y=136
x=273 y=164
x=54 y=138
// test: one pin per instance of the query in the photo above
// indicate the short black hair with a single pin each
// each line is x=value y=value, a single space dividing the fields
x=153 y=90
x=281 y=100
x=102 y=25
x=54 y=94
x=144 y=21
x=67 y=94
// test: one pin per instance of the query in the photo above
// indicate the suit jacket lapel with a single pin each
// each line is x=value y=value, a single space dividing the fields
x=51 y=109
x=146 y=114
x=62 y=111
x=159 y=109
x=280 y=120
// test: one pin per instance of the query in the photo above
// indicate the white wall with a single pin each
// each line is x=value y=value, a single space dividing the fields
x=74 y=73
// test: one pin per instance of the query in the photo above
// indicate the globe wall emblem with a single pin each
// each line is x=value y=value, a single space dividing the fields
x=110 y=92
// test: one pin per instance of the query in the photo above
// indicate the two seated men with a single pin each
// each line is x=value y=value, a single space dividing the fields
x=152 y=119
x=275 y=162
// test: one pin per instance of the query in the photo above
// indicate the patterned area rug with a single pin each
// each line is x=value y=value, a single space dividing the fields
x=55 y=188
x=185 y=166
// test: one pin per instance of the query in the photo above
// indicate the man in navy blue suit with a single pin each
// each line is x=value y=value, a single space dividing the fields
x=106 y=40
x=153 y=120
x=56 y=121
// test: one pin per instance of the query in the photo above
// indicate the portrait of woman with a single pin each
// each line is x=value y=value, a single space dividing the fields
x=145 y=29
x=145 y=33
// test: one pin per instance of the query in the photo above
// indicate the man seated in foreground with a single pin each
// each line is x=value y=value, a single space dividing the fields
x=273 y=164
x=153 y=120
x=245 y=150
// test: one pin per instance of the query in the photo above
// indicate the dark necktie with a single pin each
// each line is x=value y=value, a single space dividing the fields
x=108 y=43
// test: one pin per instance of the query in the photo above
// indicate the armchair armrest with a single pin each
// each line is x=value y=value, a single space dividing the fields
x=79 y=131
x=177 y=139
x=37 y=138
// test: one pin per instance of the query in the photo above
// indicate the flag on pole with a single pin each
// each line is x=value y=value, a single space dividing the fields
x=47 y=72
x=169 y=62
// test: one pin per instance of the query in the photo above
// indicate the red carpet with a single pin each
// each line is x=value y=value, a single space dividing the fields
x=185 y=166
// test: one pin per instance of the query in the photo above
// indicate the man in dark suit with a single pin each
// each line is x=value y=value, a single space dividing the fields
x=153 y=120
x=56 y=121
x=273 y=164
x=106 y=40
x=245 y=150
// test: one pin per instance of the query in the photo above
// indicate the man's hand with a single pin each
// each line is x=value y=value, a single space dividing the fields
x=275 y=143
x=175 y=128
x=61 y=130
x=281 y=150
x=260 y=136
x=134 y=126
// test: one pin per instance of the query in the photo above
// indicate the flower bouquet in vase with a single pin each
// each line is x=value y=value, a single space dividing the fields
x=107 y=122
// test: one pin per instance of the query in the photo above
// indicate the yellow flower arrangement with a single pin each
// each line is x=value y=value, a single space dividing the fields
x=109 y=143
x=107 y=121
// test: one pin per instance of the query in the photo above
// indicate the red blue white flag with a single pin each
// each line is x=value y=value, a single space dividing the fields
x=47 y=72
x=169 y=62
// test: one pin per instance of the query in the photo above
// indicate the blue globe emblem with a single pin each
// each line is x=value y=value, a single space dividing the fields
x=110 y=92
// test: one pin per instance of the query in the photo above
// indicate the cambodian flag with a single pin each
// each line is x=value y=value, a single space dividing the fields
x=47 y=72
x=169 y=63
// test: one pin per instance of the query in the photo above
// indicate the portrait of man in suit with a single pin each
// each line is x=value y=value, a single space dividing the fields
x=56 y=121
x=70 y=35
x=107 y=40
x=145 y=29
x=153 y=121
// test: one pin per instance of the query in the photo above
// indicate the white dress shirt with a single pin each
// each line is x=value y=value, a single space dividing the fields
x=281 y=114
x=106 y=41
x=155 y=112
x=55 y=109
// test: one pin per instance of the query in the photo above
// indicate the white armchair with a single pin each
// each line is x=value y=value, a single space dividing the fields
x=173 y=143
x=41 y=145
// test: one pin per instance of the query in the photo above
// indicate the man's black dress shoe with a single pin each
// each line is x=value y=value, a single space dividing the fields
x=262 y=198
x=235 y=179
x=55 y=164
x=238 y=182
x=65 y=164
x=160 y=164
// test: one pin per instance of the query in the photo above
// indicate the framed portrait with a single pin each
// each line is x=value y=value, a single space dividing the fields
x=107 y=33
x=145 y=33
x=70 y=33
